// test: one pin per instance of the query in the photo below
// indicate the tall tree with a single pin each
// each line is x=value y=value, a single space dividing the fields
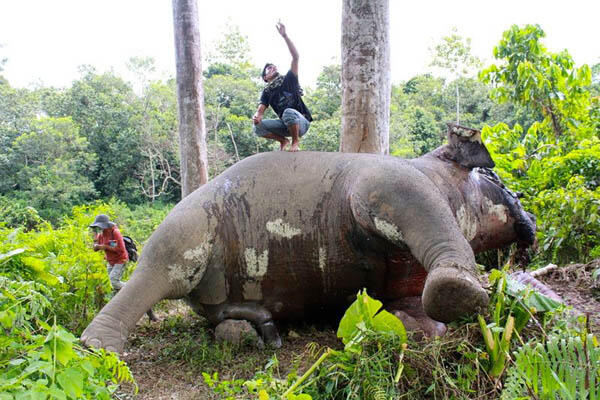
x=453 y=53
x=104 y=107
x=532 y=76
x=366 y=84
x=190 y=96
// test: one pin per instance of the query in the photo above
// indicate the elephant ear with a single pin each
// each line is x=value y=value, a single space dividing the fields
x=466 y=148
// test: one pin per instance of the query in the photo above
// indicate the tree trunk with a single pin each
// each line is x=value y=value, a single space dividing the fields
x=366 y=84
x=190 y=96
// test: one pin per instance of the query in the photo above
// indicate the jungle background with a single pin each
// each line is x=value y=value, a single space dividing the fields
x=107 y=144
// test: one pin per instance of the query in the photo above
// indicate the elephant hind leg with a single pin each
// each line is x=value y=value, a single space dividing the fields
x=256 y=314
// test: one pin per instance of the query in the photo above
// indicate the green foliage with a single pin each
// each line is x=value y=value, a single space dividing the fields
x=365 y=315
x=21 y=303
x=52 y=162
x=103 y=106
x=61 y=259
x=369 y=367
x=16 y=213
x=555 y=160
x=18 y=108
x=188 y=341
x=52 y=274
x=570 y=229
x=259 y=387
x=454 y=53
x=513 y=305
x=232 y=49
x=547 y=82
x=563 y=367
x=42 y=360
x=421 y=106
x=55 y=366
x=158 y=170
x=323 y=135
x=326 y=100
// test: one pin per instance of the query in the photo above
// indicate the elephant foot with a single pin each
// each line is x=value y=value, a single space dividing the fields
x=452 y=292
x=254 y=313
x=270 y=334
x=410 y=311
x=105 y=332
x=238 y=333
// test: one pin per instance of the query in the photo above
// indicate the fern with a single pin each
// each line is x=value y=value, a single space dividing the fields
x=375 y=393
x=565 y=367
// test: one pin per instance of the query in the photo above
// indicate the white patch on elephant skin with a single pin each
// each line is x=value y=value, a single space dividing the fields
x=252 y=291
x=467 y=222
x=190 y=274
x=187 y=275
x=499 y=210
x=278 y=227
x=227 y=185
x=200 y=254
x=179 y=274
x=322 y=258
x=256 y=266
x=322 y=265
x=389 y=231
x=199 y=257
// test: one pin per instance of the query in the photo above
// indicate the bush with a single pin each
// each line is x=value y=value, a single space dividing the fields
x=43 y=361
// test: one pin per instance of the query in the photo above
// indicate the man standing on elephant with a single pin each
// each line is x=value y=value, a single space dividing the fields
x=283 y=94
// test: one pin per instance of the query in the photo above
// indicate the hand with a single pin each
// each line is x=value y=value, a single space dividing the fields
x=99 y=247
x=281 y=28
x=256 y=118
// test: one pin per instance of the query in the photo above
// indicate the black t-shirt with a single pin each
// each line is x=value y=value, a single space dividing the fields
x=285 y=96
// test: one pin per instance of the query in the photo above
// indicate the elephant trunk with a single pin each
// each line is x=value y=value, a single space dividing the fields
x=111 y=327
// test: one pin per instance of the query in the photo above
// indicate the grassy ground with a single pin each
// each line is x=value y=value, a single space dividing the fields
x=167 y=358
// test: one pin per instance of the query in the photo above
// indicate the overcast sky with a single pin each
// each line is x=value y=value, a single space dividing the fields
x=45 y=41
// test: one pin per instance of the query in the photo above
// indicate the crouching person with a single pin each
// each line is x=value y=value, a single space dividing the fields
x=284 y=95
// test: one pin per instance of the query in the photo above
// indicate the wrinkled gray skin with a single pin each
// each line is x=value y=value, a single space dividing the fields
x=283 y=236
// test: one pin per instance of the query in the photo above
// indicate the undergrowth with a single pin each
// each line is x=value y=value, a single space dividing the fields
x=524 y=348
x=51 y=285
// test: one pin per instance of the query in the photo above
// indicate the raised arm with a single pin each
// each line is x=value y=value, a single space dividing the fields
x=291 y=47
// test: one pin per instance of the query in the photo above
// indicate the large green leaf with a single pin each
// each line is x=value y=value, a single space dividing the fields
x=362 y=315
x=71 y=380
x=60 y=343
x=386 y=322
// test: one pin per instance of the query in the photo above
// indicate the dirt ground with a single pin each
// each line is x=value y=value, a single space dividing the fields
x=164 y=369
x=575 y=285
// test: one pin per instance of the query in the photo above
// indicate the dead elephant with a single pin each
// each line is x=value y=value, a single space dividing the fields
x=280 y=236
